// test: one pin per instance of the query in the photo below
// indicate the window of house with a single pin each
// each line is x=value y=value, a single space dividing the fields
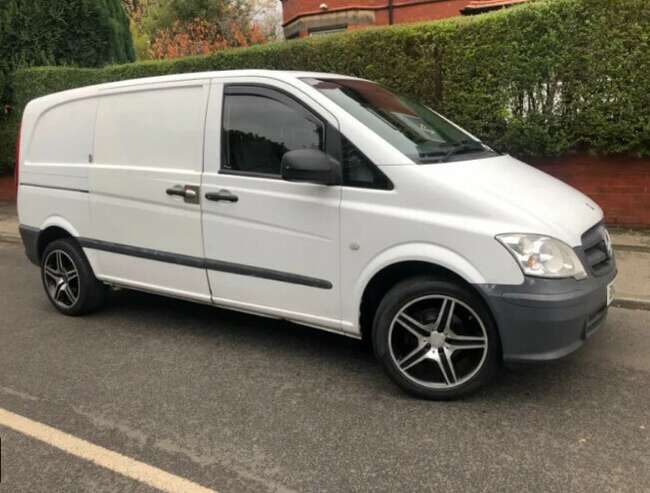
x=260 y=125
x=324 y=31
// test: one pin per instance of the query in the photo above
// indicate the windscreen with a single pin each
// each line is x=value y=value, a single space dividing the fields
x=415 y=130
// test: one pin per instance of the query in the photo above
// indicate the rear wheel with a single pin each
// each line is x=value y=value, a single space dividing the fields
x=68 y=279
x=435 y=338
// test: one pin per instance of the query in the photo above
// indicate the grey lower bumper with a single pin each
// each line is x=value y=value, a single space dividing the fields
x=546 y=319
x=30 y=236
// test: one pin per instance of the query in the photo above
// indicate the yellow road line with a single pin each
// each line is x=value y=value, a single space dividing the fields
x=131 y=468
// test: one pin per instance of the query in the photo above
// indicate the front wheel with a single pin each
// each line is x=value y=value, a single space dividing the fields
x=436 y=339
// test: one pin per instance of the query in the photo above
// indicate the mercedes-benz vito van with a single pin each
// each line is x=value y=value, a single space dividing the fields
x=322 y=199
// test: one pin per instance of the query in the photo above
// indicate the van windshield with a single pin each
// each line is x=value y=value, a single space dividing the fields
x=418 y=132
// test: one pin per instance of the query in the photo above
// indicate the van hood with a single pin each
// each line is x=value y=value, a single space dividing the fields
x=505 y=188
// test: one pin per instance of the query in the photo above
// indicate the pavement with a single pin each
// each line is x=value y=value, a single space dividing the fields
x=9 y=222
x=632 y=249
x=237 y=403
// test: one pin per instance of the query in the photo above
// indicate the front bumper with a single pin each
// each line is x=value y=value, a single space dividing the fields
x=546 y=319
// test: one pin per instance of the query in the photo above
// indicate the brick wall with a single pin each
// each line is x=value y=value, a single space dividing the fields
x=294 y=8
x=621 y=186
x=7 y=189
x=416 y=12
x=403 y=10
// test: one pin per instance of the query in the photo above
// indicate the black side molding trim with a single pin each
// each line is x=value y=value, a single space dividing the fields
x=80 y=190
x=30 y=236
x=202 y=263
x=146 y=253
x=274 y=275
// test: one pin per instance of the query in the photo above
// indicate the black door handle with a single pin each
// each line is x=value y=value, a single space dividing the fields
x=225 y=195
x=177 y=190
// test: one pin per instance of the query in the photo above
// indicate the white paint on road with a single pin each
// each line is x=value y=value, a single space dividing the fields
x=131 y=468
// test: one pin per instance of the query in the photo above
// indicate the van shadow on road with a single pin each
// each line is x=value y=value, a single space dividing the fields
x=557 y=380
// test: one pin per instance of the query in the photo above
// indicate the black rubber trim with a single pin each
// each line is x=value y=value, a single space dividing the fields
x=203 y=263
x=67 y=189
x=274 y=275
x=30 y=235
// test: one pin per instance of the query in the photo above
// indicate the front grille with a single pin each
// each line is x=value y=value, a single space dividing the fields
x=594 y=248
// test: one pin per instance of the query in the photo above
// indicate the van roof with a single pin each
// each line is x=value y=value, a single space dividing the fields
x=274 y=74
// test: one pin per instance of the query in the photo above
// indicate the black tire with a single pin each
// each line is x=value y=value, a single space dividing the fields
x=69 y=294
x=442 y=351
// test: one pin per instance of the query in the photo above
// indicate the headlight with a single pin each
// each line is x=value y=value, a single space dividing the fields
x=542 y=256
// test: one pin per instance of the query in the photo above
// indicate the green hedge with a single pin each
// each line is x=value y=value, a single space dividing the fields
x=87 y=33
x=539 y=80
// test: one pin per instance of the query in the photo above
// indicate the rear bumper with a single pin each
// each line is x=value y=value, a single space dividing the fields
x=545 y=319
x=29 y=236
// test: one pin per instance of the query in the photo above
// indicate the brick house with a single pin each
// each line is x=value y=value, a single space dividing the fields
x=317 y=17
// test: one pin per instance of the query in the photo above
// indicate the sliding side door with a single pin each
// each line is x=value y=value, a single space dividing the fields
x=144 y=188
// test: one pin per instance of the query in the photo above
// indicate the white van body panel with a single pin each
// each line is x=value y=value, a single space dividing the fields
x=91 y=165
x=526 y=199
x=283 y=226
x=56 y=141
x=132 y=169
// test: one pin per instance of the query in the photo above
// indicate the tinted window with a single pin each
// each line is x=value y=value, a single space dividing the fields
x=415 y=130
x=358 y=171
x=260 y=125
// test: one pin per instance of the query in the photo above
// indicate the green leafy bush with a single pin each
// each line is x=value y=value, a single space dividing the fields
x=539 y=80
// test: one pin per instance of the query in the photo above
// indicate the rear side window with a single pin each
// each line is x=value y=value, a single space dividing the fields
x=161 y=128
x=64 y=134
x=260 y=125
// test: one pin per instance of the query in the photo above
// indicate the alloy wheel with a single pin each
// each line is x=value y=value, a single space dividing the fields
x=61 y=278
x=437 y=341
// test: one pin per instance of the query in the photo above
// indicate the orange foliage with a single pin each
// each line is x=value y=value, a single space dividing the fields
x=200 y=37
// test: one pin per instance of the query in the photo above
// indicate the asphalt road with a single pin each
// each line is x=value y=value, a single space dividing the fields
x=240 y=403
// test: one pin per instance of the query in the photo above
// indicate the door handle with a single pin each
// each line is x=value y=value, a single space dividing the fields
x=178 y=190
x=189 y=193
x=224 y=195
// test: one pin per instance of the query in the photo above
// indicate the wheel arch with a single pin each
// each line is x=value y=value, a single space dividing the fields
x=54 y=228
x=395 y=266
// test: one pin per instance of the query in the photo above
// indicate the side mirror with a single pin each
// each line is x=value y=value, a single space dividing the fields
x=310 y=165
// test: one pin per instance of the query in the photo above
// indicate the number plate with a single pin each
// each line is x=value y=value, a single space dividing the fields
x=611 y=292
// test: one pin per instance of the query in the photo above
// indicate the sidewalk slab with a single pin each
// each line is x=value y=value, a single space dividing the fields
x=633 y=280
x=8 y=222
x=630 y=239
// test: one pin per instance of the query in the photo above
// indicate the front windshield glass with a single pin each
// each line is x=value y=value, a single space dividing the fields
x=415 y=130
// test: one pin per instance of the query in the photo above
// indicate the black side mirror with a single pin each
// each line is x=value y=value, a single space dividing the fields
x=310 y=165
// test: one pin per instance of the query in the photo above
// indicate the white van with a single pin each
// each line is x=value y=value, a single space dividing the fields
x=321 y=199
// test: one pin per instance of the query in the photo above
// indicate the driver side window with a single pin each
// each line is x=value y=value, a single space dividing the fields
x=260 y=125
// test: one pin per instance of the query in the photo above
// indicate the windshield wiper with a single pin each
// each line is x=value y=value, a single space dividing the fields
x=461 y=148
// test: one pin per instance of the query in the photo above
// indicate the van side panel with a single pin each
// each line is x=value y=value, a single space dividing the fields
x=57 y=144
x=149 y=140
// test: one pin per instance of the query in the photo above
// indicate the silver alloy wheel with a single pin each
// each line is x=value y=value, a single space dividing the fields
x=437 y=341
x=61 y=278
